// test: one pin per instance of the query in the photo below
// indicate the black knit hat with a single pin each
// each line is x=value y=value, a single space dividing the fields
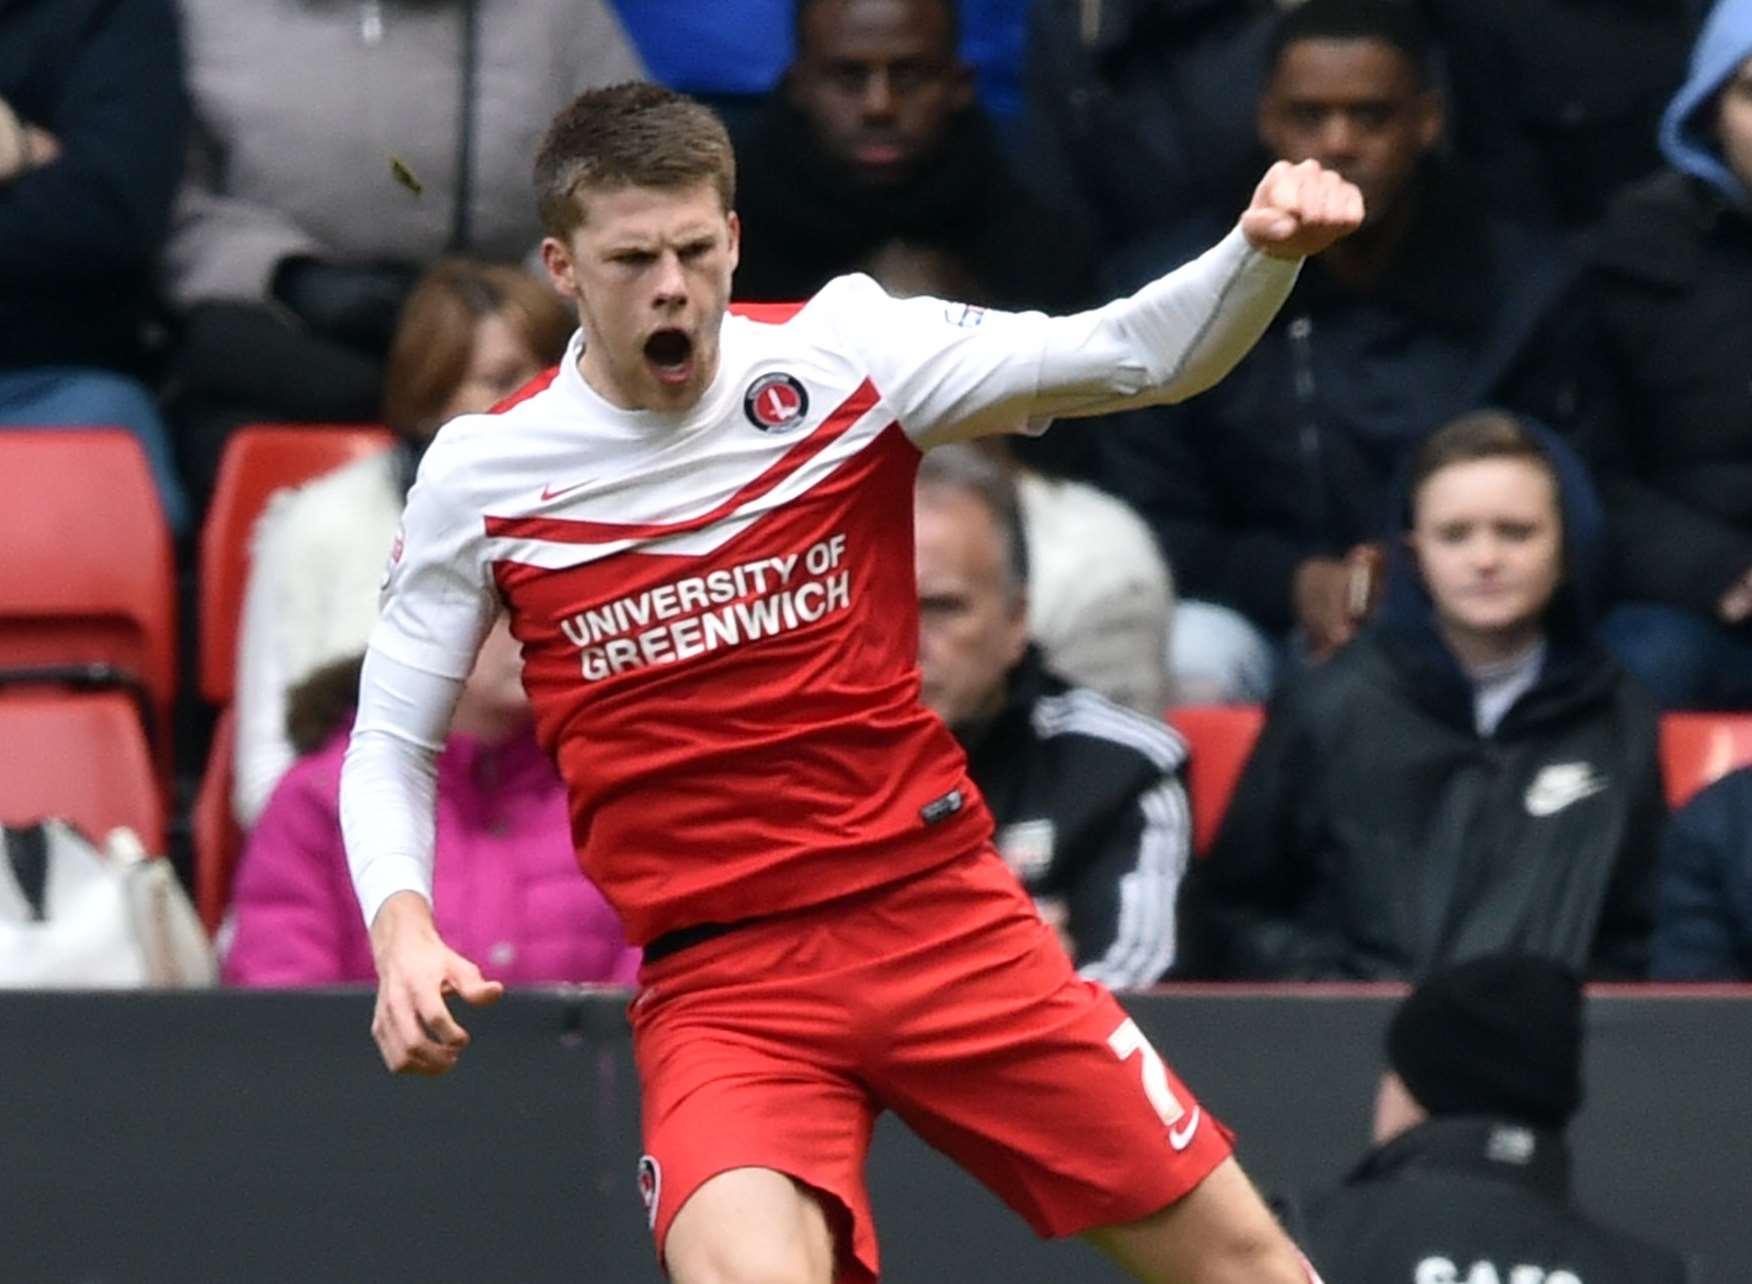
x=1498 y=1035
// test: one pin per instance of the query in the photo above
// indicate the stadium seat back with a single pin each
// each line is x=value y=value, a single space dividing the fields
x=1221 y=738
x=1699 y=748
x=79 y=756
x=87 y=576
x=258 y=461
x=217 y=838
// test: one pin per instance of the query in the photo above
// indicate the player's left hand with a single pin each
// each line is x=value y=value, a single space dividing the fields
x=1298 y=210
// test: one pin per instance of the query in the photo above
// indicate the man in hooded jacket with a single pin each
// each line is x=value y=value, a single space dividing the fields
x=1403 y=810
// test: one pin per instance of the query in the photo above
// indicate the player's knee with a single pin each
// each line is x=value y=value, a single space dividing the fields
x=1257 y=1257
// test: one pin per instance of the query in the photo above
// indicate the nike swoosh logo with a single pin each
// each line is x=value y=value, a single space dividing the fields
x=548 y=491
x=1181 y=1138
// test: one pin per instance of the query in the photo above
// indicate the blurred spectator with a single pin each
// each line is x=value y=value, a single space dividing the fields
x=730 y=53
x=1090 y=810
x=1140 y=113
x=1703 y=918
x=1269 y=491
x=1673 y=275
x=1474 y=773
x=1100 y=598
x=507 y=880
x=340 y=149
x=1469 y=1179
x=1555 y=102
x=92 y=122
x=874 y=138
x=471 y=334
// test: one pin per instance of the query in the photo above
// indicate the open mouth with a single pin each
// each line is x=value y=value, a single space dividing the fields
x=671 y=352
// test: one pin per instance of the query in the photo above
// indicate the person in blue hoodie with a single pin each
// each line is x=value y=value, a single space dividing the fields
x=1474 y=773
x=1671 y=273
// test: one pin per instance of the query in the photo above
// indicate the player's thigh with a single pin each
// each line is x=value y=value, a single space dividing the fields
x=728 y=1084
x=751 y=1226
x=1221 y=1232
x=1042 y=1087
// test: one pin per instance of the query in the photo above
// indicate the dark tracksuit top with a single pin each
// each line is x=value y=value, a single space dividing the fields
x=1091 y=814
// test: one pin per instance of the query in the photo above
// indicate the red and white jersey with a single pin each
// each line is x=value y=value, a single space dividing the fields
x=717 y=607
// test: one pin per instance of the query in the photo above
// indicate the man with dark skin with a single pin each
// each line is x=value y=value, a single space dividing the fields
x=875 y=141
x=1358 y=107
x=1270 y=496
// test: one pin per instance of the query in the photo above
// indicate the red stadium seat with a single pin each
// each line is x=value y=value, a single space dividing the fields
x=218 y=841
x=1698 y=748
x=258 y=461
x=87 y=575
x=1221 y=738
x=80 y=756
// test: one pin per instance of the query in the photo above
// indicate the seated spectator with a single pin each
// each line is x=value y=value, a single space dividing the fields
x=92 y=125
x=1140 y=114
x=1270 y=490
x=1090 y=810
x=1556 y=102
x=1672 y=270
x=1100 y=598
x=874 y=138
x=1474 y=773
x=1469 y=1178
x=339 y=150
x=471 y=334
x=507 y=884
x=1703 y=917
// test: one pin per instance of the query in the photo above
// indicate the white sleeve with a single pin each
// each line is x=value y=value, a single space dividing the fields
x=438 y=598
x=437 y=604
x=390 y=776
x=951 y=371
x=262 y=751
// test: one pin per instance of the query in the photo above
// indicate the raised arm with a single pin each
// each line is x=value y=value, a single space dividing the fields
x=952 y=372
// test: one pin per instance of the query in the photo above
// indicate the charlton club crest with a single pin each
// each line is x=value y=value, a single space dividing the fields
x=650 y=1187
x=775 y=402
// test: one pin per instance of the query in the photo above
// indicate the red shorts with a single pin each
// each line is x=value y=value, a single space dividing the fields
x=945 y=999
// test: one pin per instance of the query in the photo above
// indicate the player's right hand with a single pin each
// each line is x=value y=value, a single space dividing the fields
x=412 y=1025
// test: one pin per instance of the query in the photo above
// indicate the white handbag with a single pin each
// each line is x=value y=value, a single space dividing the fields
x=77 y=916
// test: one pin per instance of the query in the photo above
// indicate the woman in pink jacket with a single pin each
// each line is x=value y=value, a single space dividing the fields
x=507 y=888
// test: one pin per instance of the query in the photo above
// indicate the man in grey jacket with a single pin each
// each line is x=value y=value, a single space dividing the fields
x=339 y=149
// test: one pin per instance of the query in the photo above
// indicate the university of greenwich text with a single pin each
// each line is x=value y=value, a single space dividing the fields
x=699 y=614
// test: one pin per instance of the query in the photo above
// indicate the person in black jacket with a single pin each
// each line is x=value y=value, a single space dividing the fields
x=1140 y=113
x=1703 y=920
x=92 y=123
x=1270 y=490
x=1090 y=808
x=1672 y=273
x=1469 y=1179
x=873 y=140
x=1474 y=773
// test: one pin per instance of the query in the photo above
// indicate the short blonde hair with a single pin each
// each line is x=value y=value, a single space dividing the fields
x=629 y=135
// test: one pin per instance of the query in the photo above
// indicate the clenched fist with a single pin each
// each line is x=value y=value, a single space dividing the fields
x=1298 y=210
